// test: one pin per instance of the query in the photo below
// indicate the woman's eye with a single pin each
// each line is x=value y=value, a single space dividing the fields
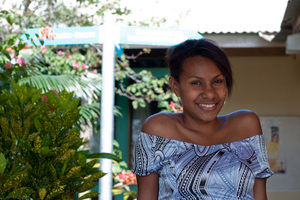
x=218 y=82
x=196 y=83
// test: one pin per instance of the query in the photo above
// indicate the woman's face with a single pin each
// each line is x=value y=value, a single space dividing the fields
x=202 y=89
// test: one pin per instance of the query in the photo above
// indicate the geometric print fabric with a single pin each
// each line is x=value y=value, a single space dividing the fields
x=190 y=171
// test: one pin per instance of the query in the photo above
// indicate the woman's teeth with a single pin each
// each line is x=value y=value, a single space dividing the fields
x=207 y=105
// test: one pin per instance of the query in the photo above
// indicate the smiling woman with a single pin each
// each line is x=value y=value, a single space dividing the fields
x=198 y=154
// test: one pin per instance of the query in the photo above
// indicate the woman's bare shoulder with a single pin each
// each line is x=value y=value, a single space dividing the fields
x=245 y=123
x=159 y=124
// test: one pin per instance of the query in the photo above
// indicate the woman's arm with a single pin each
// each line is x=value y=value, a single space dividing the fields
x=147 y=187
x=259 y=189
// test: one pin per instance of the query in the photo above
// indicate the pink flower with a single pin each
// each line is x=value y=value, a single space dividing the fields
x=172 y=105
x=44 y=48
x=8 y=66
x=75 y=65
x=68 y=55
x=26 y=46
x=126 y=178
x=175 y=107
x=61 y=53
x=15 y=55
x=21 y=61
x=85 y=66
x=95 y=71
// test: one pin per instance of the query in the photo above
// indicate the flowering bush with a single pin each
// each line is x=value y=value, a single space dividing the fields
x=57 y=62
x=124 y=179
x=13 y=65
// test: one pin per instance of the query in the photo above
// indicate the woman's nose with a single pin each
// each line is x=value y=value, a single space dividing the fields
x=208 y=92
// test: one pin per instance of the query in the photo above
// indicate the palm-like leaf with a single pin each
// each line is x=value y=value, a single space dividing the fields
x=89 y=111
x=84 y=87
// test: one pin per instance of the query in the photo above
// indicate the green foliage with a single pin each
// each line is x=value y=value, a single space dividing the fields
x=7 y=15
x=144 y=87
x=39 y=156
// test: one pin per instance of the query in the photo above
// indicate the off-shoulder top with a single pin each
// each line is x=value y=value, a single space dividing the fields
x=192 y=171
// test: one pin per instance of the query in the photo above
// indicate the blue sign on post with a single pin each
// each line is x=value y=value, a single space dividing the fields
x=68 y=36
x=130 y=35
x=155 y=36
x=127 y=35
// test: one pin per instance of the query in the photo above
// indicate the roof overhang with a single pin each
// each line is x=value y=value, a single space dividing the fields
x=290 y=28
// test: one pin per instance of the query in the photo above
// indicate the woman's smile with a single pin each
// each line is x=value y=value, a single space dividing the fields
x=208 y=107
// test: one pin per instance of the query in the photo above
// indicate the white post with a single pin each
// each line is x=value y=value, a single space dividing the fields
x=107 y=107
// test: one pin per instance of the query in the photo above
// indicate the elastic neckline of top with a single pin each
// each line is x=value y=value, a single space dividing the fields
x=175 y=140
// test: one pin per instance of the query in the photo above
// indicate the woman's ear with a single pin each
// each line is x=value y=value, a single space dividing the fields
x=174 y=86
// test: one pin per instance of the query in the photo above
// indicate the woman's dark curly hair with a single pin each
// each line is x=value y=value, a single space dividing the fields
x=177 y=54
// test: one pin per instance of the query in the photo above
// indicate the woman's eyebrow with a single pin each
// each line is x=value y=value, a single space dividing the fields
x=198 y=77
x=219 y=75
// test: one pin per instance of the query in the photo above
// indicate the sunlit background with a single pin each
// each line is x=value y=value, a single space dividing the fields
x=202 y=15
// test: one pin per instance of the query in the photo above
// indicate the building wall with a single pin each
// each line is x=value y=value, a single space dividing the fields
x=270 y=86
x=266 y=85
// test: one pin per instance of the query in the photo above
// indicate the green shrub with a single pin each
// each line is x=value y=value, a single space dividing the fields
x=39 y=147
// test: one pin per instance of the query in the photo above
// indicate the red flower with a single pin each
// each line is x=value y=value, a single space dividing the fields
x=85 y=66
x=68 y=55
x=44 y=98
x=8 y=66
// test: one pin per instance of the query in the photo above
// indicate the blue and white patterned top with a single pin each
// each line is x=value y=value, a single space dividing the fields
x=191 y=171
